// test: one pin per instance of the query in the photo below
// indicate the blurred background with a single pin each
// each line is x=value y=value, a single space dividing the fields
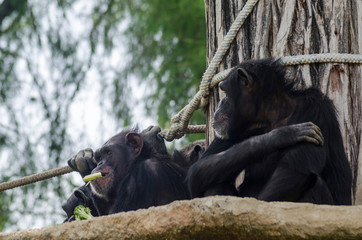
x=75 y=72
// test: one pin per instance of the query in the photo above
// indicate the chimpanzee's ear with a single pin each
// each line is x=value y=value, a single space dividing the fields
x=244 y=77
x=135 y=142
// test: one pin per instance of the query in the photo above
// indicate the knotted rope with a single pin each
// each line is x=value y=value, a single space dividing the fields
x=180 y=121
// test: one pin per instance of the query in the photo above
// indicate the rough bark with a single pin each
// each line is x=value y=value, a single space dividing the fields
x=213 y=218
x=292 y=27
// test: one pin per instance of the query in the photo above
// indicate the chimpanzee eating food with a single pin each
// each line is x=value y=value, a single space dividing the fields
x=137 y=170
x=259 y=100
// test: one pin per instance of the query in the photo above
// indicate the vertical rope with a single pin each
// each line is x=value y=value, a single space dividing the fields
x=225 y=45
x=180 y=122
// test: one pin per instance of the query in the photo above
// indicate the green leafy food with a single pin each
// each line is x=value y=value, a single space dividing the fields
x=82 y=213
x=90 y=177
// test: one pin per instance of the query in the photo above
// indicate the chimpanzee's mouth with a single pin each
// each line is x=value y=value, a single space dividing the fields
x=102 y=180
x=104 y=174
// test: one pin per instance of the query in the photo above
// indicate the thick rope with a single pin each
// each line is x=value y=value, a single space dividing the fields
x=196 y=129
x=322 y=58
x=225 y=45
x=180 y=121
x=35 y=178
x=300 y=60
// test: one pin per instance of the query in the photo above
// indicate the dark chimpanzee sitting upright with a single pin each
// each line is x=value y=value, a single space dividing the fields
x=257 y=94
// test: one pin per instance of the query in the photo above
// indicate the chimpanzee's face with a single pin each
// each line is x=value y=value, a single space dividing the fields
x=221 y=122
x=237 y=110
x=109 y=160
x=113 y=160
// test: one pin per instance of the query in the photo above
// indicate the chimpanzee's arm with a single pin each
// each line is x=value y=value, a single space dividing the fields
x=218 y=145
x=216 y=168
x=287 y=185
x=84 y=196
x=296 y=172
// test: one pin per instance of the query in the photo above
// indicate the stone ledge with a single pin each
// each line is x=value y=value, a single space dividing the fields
x=213 y=218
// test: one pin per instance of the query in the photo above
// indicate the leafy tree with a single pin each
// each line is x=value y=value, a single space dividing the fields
x=48 y=52
x=41 y=74
x=166 y=45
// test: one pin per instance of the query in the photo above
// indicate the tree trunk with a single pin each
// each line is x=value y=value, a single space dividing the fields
x=292 y=27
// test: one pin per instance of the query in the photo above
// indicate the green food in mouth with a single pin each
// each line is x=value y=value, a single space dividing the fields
x=90 y=177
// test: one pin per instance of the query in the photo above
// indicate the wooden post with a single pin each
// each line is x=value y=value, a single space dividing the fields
x=292 y=27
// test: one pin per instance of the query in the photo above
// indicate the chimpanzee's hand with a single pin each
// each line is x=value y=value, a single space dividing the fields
x=81 y=196
x=83 y=162
x=292 y=134
x=154 y=141
x=150 y=134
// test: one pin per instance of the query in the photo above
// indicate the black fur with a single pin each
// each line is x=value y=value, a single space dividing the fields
x=303 y=172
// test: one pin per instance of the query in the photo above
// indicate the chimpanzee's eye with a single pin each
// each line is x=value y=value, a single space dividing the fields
x=106 y=151
x=97 y=156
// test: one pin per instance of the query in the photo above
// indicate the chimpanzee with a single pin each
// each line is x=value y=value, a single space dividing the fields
x=259 y=99
x=139 y=172
x=188 y=155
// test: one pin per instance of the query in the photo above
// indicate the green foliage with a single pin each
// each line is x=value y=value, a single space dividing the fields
x=5 y=210
x=45 y=63
x=41 y=72
x=166 y=44
x=173 y=34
